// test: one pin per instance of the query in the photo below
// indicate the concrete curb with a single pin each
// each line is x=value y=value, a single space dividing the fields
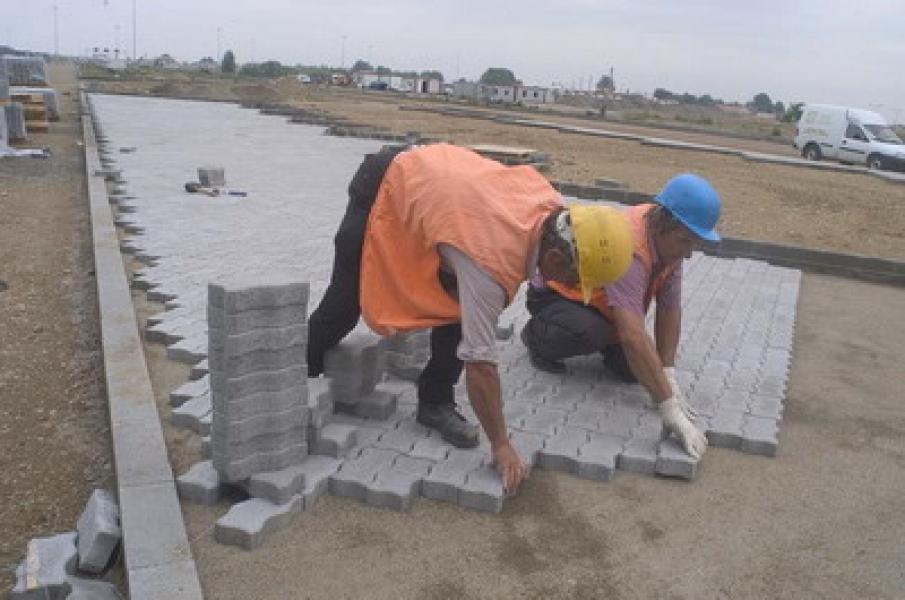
x=158 y=558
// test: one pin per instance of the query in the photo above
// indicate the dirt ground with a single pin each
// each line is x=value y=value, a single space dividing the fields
x=820 y=520
x=54 y=438
x=844 y=212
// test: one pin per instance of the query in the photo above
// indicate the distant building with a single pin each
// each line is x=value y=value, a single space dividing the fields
x=165 y=61
x=533 y=94
x=207 y=64
x=507 y=94
x=399 y=83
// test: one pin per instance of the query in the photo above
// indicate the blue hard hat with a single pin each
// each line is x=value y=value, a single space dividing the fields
x=694 y=203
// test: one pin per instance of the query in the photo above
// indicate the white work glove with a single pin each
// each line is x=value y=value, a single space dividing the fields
x=670 y=373
x=693 y=440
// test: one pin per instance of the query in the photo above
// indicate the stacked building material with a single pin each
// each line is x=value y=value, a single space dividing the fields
x=4 y=132
x=34 y=110
x=15 y=122
x=354 y=367
x=257 y=349
x=48 y=97
x=407 y=353
x=24 y=70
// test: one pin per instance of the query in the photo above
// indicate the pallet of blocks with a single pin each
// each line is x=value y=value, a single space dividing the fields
x=35 y=112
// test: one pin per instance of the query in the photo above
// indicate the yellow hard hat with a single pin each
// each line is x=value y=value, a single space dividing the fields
x=603 y=243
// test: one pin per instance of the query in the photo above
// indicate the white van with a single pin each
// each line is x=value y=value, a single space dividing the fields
x=849 y=135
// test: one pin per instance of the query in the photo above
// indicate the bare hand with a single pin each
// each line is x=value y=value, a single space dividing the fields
x=510 y=467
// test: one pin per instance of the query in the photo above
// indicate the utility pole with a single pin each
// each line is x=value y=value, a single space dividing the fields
x=219 y=31
x=342 y=54
x=56 y=30
x=134 y=31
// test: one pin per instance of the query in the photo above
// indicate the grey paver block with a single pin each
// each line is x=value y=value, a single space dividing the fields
x=528 y=445
x=482 y=490
x=263 y=338
x=189 y=351
x=250 y=294
x=560 y=452
x=432 y=448
x=673 y=461
x=238 y=430
x=201 y=483
x=763 y=406
x=639 y=455
x=199 y=370
x=87 y=589
x=598 y=458
x=545 y=421
x=725 y=429
x=619 y=423
x=759 y=436
x=189 y=414
x=248 y=320
x=262 y=454
x=515 y=412
x=395 y=486
x=248 y=523
x=403 y=438
x=187 y=391
x=771 y=385
x=733 y=401
x=230 y=388
x=45 y=572
x=534 y=393
x=333 y=439
x=354 y=367
x=261 y=403
x=448 y=476
x=354 y=475
x=378 y=405
x=257 y=360
x=98 y=532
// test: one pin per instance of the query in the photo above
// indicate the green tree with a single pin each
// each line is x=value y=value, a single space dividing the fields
x=779 y=109
x=498 y=76
x=228 y=65
x=793 y=113
x=663 y=94
x=762 y=103
x=361 y=65
x=271 y=68
x=605 y=83
x=706 y=100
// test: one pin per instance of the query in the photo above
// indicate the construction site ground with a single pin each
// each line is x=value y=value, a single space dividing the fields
x=820 y=520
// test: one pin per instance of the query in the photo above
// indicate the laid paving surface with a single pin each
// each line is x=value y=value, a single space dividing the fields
x=738 y=315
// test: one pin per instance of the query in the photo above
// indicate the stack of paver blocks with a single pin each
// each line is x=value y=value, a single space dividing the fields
x=407 y=353
x=354 y=368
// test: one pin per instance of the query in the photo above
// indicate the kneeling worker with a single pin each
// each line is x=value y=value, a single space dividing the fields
x=561 y=326
x=440 y=237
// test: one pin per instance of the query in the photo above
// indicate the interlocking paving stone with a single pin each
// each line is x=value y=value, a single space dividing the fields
x=598 y=458
x=248 y=523
x=333 y=439
x=189 y=390
x=673 y=461
x=560 y=452
x=45 y=572
x=238 y=295
x=87 y=589
x=200 y=484
x=528 y=445
x=447 y=477
x=738 y=315
x=189 y=415
x=395 y=486
x=759 y=436
x=354 y=475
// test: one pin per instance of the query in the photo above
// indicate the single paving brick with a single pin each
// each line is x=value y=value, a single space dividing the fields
x=639 y=455
x=545 y=421
x=733 y=401
x=533 y=393
x=45 y=572
x=560 y=452
x=333 y=440
x=248 y=523
x=201 y=483
x=763 y=406
x=378 y=405
x=673 y=461
x=598 y=458
x=759 y=436
x=448 y=476
x=771 y=385
x=189 y=414
x=527 y=444
x=482 y=490
x=514 y=411
x=187 y=391
x=432 y=448
x=256 y=458
x=252 y=294
x=354 y=475
x=199 y=370
x=395 y=486
x=98 y=532
x=585 y=418
x=317 y=470
x=619 y=423
x=725 y=429
x=89 y=589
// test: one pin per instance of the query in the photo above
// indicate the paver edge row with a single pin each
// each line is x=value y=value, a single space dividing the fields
x=140 y=454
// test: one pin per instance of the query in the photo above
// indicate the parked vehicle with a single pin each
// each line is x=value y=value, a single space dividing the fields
x=849 y=135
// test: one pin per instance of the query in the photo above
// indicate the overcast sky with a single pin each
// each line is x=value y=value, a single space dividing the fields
x=850 y=52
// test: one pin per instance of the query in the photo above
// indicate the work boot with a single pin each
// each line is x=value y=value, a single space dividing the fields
x=615 y=361
x=557 y=367
x=453 y=427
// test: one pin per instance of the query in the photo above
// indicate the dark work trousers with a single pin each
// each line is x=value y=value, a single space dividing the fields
x=339 y=310
x=560 y=328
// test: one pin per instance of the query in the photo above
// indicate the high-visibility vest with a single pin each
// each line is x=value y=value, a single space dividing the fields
x=443 y=194
x=641 y=238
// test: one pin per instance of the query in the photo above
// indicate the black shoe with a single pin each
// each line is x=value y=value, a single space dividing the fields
x=615 y=361
x=453 y=427
x=557 y=367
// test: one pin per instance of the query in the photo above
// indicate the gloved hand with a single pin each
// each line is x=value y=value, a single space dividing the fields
x=670 y=373
x=693 y=440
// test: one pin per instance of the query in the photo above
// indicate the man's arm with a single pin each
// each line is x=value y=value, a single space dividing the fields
x=482 y=381
x=641 y=354
x=667 y=329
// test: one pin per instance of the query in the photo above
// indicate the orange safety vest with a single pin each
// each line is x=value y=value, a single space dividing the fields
x=641 y=236
x=443 y=194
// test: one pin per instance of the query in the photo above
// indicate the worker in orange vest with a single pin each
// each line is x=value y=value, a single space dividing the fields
x=562 y=325
x=439 y=237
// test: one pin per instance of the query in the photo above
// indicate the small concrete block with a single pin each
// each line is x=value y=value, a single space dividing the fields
x=640 y=455
x=534 y=393
x=201 y=483
x=257 y=458
x=238 y=430
x=264 y=338
x=673 y=461
x=562 y=401
x=248 y=523
x=332 y=440
x=378 y=405
x=256 y=361
x=354 y=367
x=515 y=412
x=98 y=532
x=586 y=418
x=262 y=403
x=249 y=320
x=432 y=448
x=199 y=370
x=733 y=401
x=211 y=177
x=354 y=475
x=598 y=458
x=317 y=471
x=87 y=589
x=619 y=423
x=759 y=436
x=233 y=388
x=402 y=439
x=394 y=487
x=189 y=414
x=482 y=490
x=545 y=421
x=187 y=391
x=725 y=429
x=560 y=452
x=239 y=296
x=447 y=477
x=528 y=445
x=45 y=573
x=762 y=406
x=771 y=385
